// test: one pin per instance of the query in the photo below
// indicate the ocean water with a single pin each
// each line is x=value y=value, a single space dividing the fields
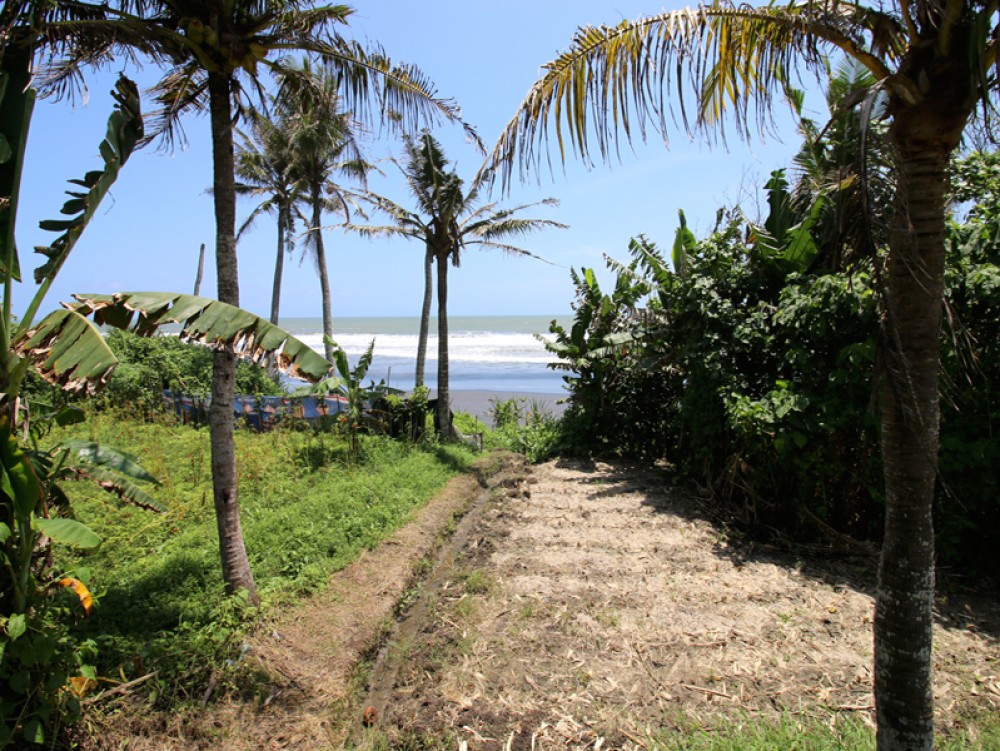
x=486 y=353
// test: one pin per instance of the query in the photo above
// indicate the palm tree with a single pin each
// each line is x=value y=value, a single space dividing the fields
x=447 y=220
x=933 y=61
x=322 y=142
x=263 y=163
x=847 y=162
x=212 y=49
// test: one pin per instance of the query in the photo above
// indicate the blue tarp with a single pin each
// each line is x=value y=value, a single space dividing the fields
x=258 y=412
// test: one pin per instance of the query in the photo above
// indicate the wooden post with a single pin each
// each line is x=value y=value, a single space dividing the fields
x=201 y=268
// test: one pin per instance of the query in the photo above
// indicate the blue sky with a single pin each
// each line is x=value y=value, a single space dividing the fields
x=482 y=53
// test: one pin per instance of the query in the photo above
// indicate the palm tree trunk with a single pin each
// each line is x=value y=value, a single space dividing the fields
x=922 y=136
x=443 y=411
x=910 y=415
x=201 y=270
x=324 y=277
x=235 y=564
x=279 y=266
x=425 y=318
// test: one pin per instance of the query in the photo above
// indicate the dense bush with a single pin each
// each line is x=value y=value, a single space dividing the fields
x=147 y=365
x=752 y=366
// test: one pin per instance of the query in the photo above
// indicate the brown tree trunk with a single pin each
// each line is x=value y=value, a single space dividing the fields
x=909 y=411
x=425 y=318
x=923 y=137
x=443 y=412
x=279 y=265
x=235 y=564
x=324 y=277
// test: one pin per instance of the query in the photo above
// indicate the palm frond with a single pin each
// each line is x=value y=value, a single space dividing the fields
x=183 y=89
x=509 y=249
x=404 y=95
x=684 y=69
x=511 y=227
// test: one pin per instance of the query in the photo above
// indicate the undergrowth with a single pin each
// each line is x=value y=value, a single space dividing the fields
x=518 y=425
x=306 y=512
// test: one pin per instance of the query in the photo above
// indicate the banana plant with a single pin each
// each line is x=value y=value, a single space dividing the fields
x=785 y=245
x=66 y=348
x=350 y=385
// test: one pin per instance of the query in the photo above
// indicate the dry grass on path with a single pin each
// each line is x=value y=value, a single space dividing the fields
x=597 y=607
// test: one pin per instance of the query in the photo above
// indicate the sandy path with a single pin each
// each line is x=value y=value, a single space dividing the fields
x=595 y=607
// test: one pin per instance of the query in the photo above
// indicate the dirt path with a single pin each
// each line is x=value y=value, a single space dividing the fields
x=576 y=606
x=596 y=607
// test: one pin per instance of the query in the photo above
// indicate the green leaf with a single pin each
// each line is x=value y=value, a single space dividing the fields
x=68 y=351
x=100 y=455
x=340 y=359
x=69 y=415
x=128 y=491
x=364 y=363
x=67 y=531
x=17 y=477
x=124 y=130
x=5 y=532
x=16 y=626
x=684 y=246
x=34 y=732
x=205 y=321
x=88 y=671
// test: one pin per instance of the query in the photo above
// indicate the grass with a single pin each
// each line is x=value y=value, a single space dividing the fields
x=794 y=734
x=305 y=514
x=754 y=734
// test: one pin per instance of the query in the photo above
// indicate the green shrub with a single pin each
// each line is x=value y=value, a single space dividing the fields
x=148 y=365
x=755 y=375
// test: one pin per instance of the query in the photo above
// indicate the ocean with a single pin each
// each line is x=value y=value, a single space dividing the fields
x=486 y=353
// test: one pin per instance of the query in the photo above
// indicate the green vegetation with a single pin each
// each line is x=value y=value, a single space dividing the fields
x=146 y=366
x=750 y=362
x=752 y=374
x=307 y=511
x=524 y=427
x=787 y=733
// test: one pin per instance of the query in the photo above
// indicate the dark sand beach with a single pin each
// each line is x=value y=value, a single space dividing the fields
x=479 y=403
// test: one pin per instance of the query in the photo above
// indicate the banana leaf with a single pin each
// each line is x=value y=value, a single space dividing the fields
x=100 y=455
x=207 y=322
x=67 y=531
x=68 y=351
x=122 y=487
x=123 y=133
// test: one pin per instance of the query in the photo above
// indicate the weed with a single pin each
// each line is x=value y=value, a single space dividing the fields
x=477 y=583
x=464 y=609
x=837 y=733
x=606 y=618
